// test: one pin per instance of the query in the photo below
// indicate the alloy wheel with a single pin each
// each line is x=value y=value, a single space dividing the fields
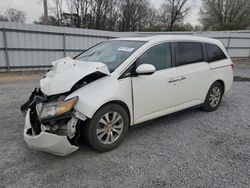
x=215 y=96
x=109 y=127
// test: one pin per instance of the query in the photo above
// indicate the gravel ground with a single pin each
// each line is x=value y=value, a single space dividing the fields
x=188 y=149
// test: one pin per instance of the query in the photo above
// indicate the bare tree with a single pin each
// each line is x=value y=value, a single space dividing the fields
x=141 y=20
x=51 y=20
x=101 y=10
x=56 y=11
x=16 y=15
x=59 y=11
x=116 y=15
x=113 y=16
x=225 y=14
x=132 y=14
x=85 y=17
x=4 y=18
x=75 y=5
x=172 y=12
x=152 y=20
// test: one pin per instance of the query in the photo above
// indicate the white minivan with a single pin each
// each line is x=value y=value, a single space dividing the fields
x=122 y=82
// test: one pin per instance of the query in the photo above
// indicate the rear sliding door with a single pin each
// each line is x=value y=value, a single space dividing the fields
x=193 y=74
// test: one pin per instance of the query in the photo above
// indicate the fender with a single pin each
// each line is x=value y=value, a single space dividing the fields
x=102 y=91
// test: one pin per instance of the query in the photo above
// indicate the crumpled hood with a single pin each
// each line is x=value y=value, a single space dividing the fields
x=66 y=72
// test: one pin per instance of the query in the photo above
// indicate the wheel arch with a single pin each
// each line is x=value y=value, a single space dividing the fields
x=121 y=103
x=222 y=84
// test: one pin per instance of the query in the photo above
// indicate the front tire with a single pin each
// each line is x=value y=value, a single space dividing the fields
x=107 y=128
x=213 y=98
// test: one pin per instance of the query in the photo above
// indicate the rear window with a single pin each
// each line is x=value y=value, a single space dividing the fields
x=214 y=53
x=188 y=52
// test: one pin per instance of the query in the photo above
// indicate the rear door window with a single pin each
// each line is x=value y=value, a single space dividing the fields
x=214 y=53
x=188 y=52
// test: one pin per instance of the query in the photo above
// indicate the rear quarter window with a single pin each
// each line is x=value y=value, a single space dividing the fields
x=214 y=53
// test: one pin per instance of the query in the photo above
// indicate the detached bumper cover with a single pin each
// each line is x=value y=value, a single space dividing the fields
x=51 y=143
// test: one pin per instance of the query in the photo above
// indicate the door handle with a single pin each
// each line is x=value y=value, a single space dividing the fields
x=173 y=80
x=182 y=78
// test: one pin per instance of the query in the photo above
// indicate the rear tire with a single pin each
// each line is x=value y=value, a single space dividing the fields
x=213 y=98
x=107 y=128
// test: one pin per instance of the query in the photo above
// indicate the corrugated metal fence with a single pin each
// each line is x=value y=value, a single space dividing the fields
x=33 y=47
x=237 y=43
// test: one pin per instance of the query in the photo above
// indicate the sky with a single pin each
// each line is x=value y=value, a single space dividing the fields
x=34 y=8
x=193 y=15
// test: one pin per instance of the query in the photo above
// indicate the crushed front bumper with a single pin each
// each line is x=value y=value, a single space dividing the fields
x=47 y=142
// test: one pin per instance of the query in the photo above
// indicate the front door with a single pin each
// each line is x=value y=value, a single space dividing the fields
x=155 y=95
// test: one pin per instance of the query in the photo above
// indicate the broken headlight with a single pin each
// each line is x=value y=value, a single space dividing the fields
x=55 y=109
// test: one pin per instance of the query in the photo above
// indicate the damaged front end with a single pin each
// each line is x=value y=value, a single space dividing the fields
x=52 y=124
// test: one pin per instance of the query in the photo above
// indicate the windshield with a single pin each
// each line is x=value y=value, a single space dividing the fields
x=111 y=53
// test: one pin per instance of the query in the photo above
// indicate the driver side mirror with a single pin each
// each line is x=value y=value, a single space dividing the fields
x=145 y=69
